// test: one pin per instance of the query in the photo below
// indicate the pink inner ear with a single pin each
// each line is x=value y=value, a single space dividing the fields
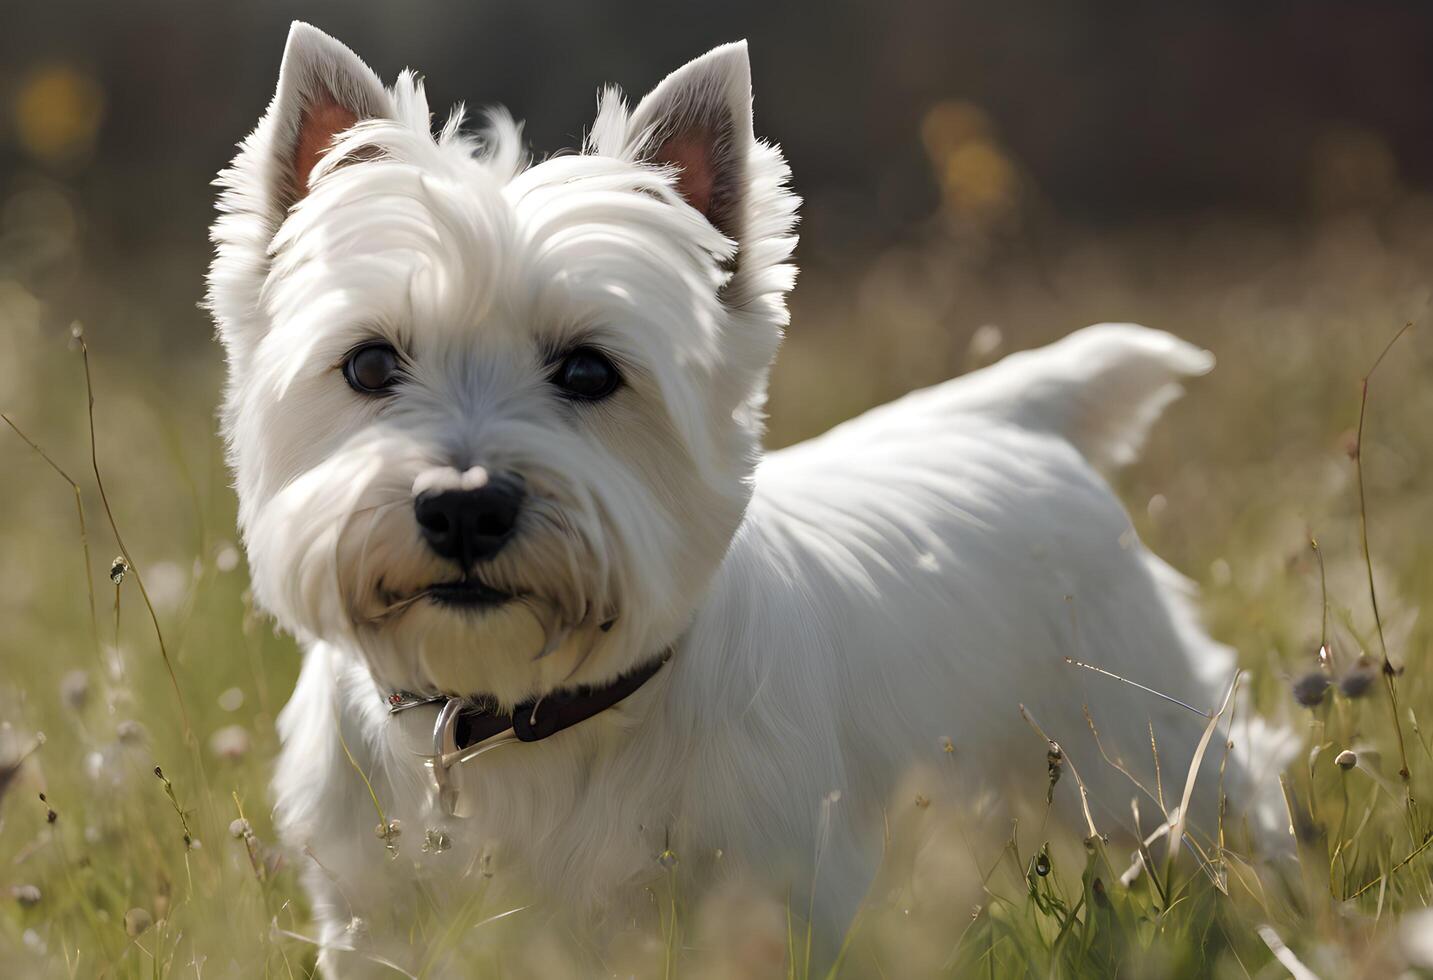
x=321 y=120
x=692 y=152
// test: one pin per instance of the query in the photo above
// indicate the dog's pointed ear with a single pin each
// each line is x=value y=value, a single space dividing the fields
x=698 y=120
x=324 y=89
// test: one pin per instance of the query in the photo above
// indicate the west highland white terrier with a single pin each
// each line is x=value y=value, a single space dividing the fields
x=496 y=428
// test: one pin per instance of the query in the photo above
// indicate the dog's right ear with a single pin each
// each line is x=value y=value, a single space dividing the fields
x=324 y=89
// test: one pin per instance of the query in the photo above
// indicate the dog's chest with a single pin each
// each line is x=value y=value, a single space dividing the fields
x=584 y=816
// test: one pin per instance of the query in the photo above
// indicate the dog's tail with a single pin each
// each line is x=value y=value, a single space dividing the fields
x=1101 y=387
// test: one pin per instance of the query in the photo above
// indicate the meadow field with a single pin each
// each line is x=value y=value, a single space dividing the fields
x=115 y=671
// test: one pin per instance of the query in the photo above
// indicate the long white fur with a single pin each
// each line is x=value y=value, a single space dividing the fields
x=836 y=609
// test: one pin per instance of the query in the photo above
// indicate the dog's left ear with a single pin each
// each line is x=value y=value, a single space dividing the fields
x=698 y=120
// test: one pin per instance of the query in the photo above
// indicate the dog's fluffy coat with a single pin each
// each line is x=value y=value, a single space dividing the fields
x=836 y=610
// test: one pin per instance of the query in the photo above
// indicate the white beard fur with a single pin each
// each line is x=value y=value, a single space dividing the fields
x=880 y=599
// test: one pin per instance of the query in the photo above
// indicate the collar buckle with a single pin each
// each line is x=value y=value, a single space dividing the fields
x=447 y=753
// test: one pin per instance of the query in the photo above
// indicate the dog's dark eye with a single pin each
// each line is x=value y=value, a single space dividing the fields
x=587 y=373
x=372 y=369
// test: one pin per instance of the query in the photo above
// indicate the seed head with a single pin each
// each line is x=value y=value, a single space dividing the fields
x=230 y=743
x=1357 y=682
x=75 y=689
x=137 y=921
x=129 y=732
x=1309 y=690
x=1054 y=765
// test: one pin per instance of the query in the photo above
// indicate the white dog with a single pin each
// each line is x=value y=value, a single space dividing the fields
x=497 y=429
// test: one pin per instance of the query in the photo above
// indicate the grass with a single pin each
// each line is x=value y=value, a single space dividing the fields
x=1294 y=484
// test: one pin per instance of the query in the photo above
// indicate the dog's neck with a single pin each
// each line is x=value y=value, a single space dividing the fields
x=467 y=726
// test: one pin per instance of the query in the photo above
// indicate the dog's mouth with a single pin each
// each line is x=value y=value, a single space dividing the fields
x=468 y=593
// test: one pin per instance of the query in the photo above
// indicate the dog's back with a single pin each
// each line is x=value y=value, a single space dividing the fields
x=922 y=572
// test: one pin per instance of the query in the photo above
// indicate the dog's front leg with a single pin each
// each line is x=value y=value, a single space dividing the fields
x=363 y=926
x=363 y=894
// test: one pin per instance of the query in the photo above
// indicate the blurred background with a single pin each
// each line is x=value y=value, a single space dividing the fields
x=977 y=177
x=1000 y=135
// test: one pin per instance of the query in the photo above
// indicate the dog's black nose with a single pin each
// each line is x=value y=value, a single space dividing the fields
x=471 y=525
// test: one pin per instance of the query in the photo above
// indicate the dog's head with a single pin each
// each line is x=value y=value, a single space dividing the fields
x=494 y=424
